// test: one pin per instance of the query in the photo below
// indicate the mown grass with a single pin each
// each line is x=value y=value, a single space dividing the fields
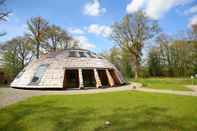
x=167 y=83
x=134 y=111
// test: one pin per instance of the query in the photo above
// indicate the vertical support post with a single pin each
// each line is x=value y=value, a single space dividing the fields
x=119 y=76
x=96 y=76
x=110 y=79
x=80 y=79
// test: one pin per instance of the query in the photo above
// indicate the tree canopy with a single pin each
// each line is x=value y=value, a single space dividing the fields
x=132 y=33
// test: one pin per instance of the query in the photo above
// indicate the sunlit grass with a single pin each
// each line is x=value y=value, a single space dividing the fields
x=125 y=111
x=167 y=83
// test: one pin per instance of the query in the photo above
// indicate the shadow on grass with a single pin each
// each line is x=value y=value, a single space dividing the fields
x=46 y=116
x=143 y=118
x=43 y=117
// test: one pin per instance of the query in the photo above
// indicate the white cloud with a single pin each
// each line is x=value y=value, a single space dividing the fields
x=192 y=10
x=84 y=42
x=155 y=8
x=102 y=30
x=192 y=21
x=134 y=6
x=76 y=31
x=94 y=8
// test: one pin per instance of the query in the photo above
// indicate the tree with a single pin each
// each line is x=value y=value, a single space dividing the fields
x=17 y=53
x=154 y=62
x=3 y=13
x=132 y=33
x=120 y=59
x=37 y=27
x=126 y=65
x=173 y=57
x=166 y=53
x=56 y=38
x=194 y=31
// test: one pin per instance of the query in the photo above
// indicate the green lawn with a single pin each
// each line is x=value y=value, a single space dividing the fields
x=134 y=111
x=166 y=83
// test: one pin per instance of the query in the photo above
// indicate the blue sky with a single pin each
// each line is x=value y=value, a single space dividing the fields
x=89 y=20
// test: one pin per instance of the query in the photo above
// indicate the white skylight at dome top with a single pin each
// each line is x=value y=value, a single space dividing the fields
x=73 y=53
x=82 y=54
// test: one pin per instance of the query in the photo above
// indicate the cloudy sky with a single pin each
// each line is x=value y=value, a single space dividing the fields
x=89 y=20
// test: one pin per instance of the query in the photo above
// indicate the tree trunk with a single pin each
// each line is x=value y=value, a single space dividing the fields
x=136 y=75
x=38 y=50
x=137 y=67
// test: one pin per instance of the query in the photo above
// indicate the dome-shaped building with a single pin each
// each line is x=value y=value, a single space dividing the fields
x=69 y=68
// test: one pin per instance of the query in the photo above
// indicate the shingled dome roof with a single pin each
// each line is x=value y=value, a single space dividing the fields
x=70 y=68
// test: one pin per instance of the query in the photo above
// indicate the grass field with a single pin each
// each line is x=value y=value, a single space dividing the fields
x=134 y=111
x=166 y=83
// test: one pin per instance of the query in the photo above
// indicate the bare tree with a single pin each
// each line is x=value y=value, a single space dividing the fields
x=132 y=33
x=3 y=14
x=37 y=27
x=17 y=53
x=22 y=47
x=56 y=38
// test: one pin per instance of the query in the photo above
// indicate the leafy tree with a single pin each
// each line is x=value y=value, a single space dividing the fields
x=164 y=41
x=154 y=62
x=16 y=55
x=37 y=31
x=120 y=59
x=132 y=33
x=126 y=65
x=173 y=57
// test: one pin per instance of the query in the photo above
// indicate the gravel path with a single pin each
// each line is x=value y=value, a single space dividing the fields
x=9 y=95
x=185 y=93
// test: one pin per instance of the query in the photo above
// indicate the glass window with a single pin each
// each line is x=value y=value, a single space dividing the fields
x=39 y=73
x=100 y=57
x=20 y=74
x=82 y=54
x=91 y=55
x=72 y=54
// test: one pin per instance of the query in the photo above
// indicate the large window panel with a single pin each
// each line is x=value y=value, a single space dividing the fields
x=20 y=74
x=39 y=73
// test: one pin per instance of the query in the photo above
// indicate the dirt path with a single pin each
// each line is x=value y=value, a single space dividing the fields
x=9 y=95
